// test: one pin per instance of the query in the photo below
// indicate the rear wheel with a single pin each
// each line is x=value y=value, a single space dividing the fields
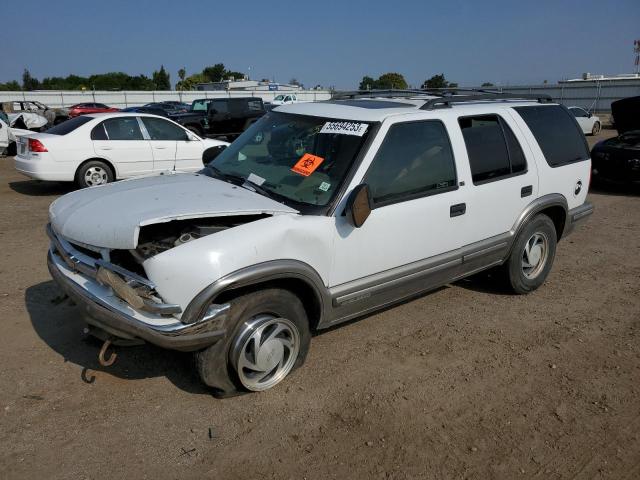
x=12 y=149
x=595 y=130
x=268 y=337
x=94 y=173
x=532 y=256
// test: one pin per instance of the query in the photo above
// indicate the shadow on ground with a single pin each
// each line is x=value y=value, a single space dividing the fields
x=60 y=326
x=489 y=281
x=615 y=189
x=36 y=188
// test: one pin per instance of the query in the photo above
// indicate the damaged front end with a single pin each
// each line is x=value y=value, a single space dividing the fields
x=117 y=298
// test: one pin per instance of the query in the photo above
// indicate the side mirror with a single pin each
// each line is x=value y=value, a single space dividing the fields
x=589 y=115
x=358 y=206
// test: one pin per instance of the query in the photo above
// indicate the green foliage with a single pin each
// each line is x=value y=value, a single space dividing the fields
x=367 y=83
x=161 y=79
x=385 y=81
x=437 y=81
x=487 y=84
x=28 y=82
x=11 y=86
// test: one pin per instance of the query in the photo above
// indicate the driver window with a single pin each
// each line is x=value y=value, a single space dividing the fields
x=414 y=160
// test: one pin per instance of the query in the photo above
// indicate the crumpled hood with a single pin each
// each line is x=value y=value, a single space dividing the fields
x=110 y=216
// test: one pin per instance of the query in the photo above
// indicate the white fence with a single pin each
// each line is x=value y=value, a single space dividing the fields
x=123 y=99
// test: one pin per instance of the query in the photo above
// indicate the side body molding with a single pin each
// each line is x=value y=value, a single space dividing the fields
x=260 y=273
x=365 y=295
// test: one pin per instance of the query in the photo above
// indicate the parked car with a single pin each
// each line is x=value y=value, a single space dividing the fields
x=151 y=110
x=9 y=135
x=86 y=108
x=216 y=117
x=589 y=123
x=618 y=159
x=98 y=149
x=285 y=99
x=170 y=108
x=53 y=115
x=320 y=213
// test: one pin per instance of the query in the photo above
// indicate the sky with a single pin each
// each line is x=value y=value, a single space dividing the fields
x=331 y=43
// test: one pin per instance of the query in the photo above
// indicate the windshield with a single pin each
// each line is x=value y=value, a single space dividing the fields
x=293 y=158
x=279 y=97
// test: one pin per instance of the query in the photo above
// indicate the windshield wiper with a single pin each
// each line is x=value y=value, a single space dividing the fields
x=227 y=177
x=243 y=182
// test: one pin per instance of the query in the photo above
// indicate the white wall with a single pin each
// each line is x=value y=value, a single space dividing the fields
x=124 y=99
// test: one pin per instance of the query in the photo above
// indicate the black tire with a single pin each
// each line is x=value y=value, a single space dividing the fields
x=218 y=364
x=12 y=149
x=100 y=168
x=595 y=130
x=523 y=279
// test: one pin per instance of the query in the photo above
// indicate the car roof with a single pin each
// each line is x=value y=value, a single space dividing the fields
x=378 y=109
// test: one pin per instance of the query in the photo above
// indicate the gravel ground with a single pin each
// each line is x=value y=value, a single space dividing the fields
x=465 y=382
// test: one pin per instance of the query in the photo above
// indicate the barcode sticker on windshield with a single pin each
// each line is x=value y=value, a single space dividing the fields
x=345 y=128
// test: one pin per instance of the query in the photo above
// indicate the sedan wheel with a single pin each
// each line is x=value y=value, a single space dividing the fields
x=596 y=128
x=96 y=176
x=265 y=351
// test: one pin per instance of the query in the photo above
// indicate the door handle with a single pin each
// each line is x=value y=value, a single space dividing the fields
x=160 y=148
x=457 y=210
x=526 y=191
x=105 y=148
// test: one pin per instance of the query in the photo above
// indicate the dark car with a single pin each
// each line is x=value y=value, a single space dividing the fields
x=145 y=109
x=170 y=107
x=618 y=159
x=217 y=117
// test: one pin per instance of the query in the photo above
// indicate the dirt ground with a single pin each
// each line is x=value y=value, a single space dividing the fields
x=465 y=382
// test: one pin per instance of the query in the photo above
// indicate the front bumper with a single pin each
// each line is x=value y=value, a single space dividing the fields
x=104 y=309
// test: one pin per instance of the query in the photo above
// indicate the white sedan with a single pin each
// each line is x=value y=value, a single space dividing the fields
x=100 y=148
x=589 y=123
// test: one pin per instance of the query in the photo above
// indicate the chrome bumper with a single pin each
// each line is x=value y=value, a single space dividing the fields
x=187 y=334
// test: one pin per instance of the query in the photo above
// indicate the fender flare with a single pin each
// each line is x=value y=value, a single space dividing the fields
x=256 y=274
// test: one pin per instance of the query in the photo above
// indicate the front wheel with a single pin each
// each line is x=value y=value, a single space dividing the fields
x=532 y=255
x=94 y=173
x=268 y=337
x=595 y=130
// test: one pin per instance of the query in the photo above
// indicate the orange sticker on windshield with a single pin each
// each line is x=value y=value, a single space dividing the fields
x=307 y=164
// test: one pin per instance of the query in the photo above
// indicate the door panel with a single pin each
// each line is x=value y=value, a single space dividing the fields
x=413 y=186
x=120 y=141
x=494 y=204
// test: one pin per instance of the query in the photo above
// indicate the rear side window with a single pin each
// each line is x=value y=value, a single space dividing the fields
x=414 y=160
x=557 y=132
x=69 y=125
x=159 y=129
x=126 y=128
x=493 y=150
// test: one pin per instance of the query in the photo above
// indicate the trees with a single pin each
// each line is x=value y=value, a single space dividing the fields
x=215 y=73
x=385 y=81
x=11 y=86
x=487 y=84
x=28 y=82
x=161 y=79
x=438 y=81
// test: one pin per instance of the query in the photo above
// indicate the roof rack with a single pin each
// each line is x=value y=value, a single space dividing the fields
x=445 y=97
x=447 y=100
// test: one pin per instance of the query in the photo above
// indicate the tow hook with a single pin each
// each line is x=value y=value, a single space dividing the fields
x=112 y=358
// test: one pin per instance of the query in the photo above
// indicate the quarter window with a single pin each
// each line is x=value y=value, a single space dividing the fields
x=162 y=130
x=415 y=159
x=558 y=134
x=126 y=128
x=493 y=150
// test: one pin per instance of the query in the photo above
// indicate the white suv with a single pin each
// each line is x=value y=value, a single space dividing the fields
x=317 y=214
